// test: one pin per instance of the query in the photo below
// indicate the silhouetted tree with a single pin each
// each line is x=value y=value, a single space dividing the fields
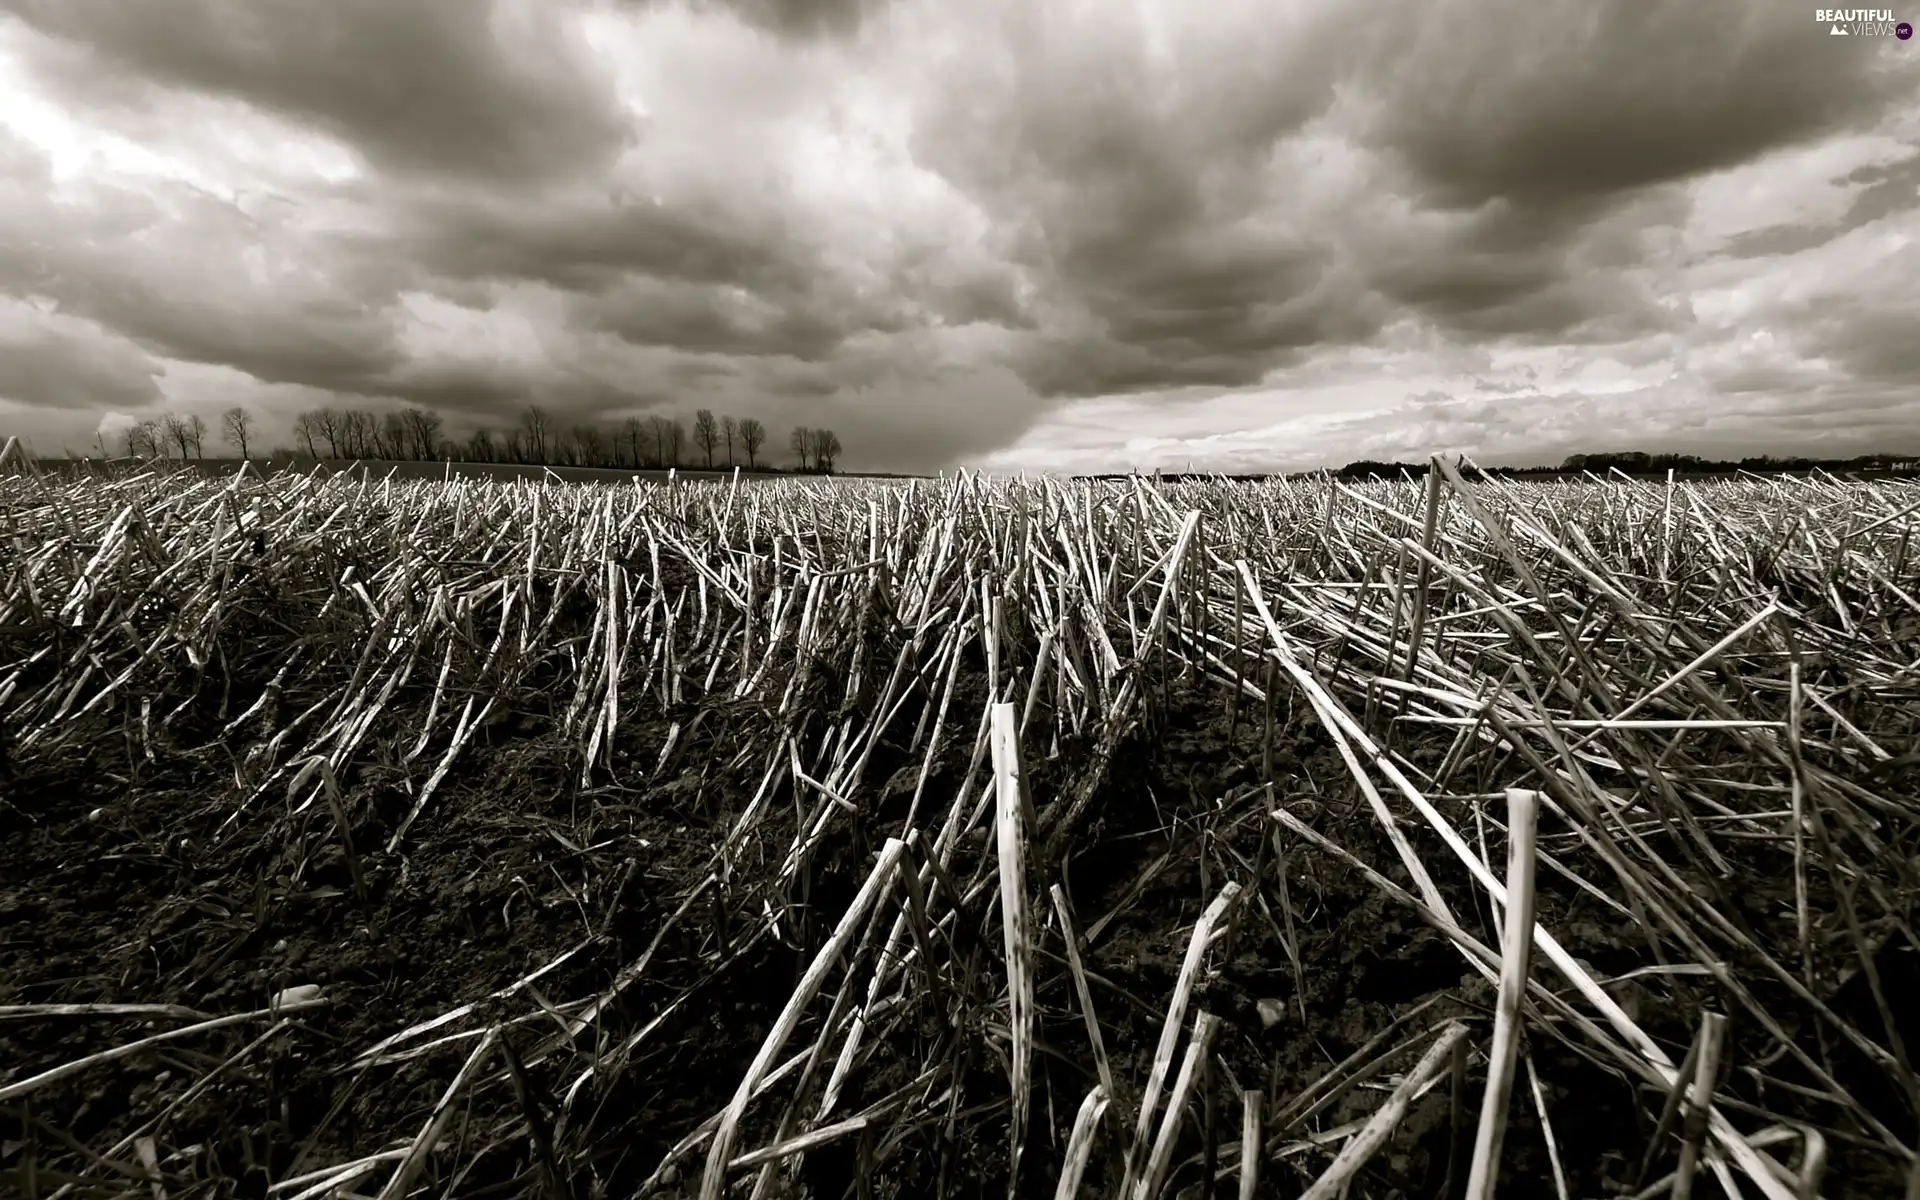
x=676 y=441
x=327 y=425
x=706 y=434
x=669 y=440
x=660 y=437
x=826 y=448
x=422 y=427
x=633 y=431
x=390 y=441
x=306 y=427
x=800 y=441
x=236 y=424
x=363 y=434
x=176 y=432
x=536 y=432
x=753 y=435
x=588 y=445
x=729 y=429
x=142 y=439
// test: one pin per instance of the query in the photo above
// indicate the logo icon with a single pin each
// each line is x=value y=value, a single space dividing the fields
x=1862 y=22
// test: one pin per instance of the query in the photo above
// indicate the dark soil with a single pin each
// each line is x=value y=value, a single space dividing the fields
x=124 y=880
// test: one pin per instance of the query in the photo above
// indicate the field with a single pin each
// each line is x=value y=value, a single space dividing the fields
x=959 y=838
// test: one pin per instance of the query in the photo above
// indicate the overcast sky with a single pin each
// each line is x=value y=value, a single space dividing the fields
x=1021 y=234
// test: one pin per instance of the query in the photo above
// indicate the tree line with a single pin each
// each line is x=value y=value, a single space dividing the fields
x=536 y=439
x=1635 y=462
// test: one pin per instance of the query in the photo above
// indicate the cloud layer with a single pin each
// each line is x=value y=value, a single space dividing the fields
x=1023 y=234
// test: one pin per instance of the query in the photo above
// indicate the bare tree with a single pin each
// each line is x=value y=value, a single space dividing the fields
x=590 y=448
x=729 y=430
x=800 y=441
x=480 y=446
x=536 y=432
x=306 y=427
x=676 y=441
x=753 y=435
x=659 y=438
x=422 y=428
x=826 y=448
x=138 y=439
x=632 y=431
x=174 y=430
x=196 y=430
x=706 y=433
x=392 y=436
x=236 y=425
x=327 y=424
x=358 y=431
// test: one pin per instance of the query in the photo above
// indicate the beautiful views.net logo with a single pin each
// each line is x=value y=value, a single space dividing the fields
x=1862 y=22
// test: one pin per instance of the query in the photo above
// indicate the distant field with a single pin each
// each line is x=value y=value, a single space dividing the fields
x=626 y=841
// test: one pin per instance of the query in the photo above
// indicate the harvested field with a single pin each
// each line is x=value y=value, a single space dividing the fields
x=957 y=839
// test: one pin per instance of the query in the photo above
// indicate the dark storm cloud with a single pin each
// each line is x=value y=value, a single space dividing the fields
x=1193 y=293
x=1541 y=140
x=1874 y=344
x=1095 y=366
x=589 y=240
x=1561 y=101
x=1499 y=269
x=1167 y=243
x=801 y=385
x=711 y=320
x=1135 y=201
x=1527 y=295
x=49 y=363
x=1209 y=312
x=1457 y=283
x=142 y=266
x=322 y=343
x=1547 y=129
x=799 y=18
x=463 y=87
x=496 y=396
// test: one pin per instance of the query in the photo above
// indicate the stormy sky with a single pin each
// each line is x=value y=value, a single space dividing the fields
x=1019 y=234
